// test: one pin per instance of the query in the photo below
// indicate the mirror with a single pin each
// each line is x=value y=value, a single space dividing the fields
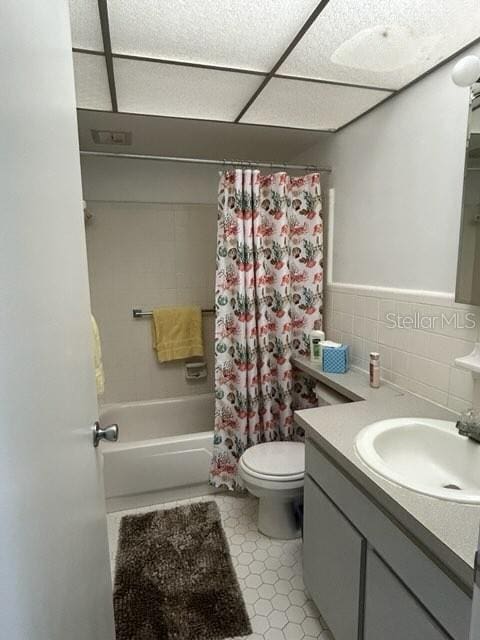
x=468 y=269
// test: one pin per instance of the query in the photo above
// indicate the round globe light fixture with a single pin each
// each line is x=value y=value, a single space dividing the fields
x=467 y=71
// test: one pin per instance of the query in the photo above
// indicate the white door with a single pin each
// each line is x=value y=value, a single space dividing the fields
x=54 y=570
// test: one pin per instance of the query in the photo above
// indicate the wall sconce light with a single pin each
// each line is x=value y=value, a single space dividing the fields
x=467 y=71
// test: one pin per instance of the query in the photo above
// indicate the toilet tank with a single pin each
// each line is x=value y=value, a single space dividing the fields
x=327 y=396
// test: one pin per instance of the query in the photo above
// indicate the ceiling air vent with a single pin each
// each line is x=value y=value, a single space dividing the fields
x=111 y=137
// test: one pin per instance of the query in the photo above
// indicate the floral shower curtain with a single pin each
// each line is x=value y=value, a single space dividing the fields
x=269 y=286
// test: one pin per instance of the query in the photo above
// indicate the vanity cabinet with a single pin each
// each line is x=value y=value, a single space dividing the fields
x=391 y=610
x=368 y=577
x=332 y=574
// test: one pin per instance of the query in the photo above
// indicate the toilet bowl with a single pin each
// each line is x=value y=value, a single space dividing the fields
x=274 y=473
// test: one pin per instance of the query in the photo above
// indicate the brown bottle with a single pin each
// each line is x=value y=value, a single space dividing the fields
x=374 y=370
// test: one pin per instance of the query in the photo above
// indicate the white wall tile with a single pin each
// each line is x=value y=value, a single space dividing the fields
x=335 y=335
x=386 y=335
x=458 y=405
x=419 y=360
x=148 y=255
x=359 y=326
x=461 y=383
x=429 y=372
x=358 y=348
x=359 y=306
x=426 y=391
x=445 y=349
x=371 y=330
x=343 y=302
x=371 y=308
x=400 y=362
x=346 y=323
x=336 y=320
x=385 y=356
x=419 y=343
x=386 y=307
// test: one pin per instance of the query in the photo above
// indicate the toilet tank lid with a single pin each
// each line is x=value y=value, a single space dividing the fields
x=276 y=458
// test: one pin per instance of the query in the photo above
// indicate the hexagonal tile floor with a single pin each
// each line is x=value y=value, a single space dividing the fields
x=269 y=572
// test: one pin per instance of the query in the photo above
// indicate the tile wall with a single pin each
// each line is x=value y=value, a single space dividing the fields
x=146 y=255
x=419 y=358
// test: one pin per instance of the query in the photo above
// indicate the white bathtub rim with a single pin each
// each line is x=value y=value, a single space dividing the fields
x=147 y=403
x=110 y=447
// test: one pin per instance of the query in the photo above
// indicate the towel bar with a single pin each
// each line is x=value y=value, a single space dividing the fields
x=139 y=313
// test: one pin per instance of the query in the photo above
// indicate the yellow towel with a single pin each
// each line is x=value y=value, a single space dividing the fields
x=97 y=358
x=177 y=333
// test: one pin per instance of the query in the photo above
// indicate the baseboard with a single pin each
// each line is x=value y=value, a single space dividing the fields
x=122 y=503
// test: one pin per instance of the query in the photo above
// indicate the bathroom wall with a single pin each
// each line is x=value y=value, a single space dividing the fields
x=398 y=180
x=398 y=177
x=144 y=254
x=117 y=180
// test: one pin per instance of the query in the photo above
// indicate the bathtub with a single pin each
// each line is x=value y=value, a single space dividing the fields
x=163 y=451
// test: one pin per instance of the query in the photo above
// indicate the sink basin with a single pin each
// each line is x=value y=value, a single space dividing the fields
x=426 y=456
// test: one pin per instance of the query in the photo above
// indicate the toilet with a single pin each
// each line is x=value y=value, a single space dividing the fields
x=274 y=473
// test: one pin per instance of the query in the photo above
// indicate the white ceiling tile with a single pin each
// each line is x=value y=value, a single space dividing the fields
x=85 y=23
x=386 y=43
x=310 y=105
x=188 y=92
x=251 y=34
x=91 y=82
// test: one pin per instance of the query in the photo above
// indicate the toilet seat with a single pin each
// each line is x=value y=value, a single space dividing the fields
x=275 y=461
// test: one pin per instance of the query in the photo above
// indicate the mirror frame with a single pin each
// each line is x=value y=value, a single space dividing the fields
x=471 y=300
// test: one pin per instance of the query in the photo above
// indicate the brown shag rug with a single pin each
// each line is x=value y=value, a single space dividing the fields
x=174 y=577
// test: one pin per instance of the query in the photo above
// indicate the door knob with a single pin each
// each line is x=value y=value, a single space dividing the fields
x=110 y=433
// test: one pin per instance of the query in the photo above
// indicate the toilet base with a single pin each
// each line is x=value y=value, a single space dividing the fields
x=277 y=518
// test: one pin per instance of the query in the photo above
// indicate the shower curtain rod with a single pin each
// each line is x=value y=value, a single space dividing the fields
x=241 y=163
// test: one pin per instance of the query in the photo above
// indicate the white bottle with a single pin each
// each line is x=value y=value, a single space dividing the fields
x=317 y=336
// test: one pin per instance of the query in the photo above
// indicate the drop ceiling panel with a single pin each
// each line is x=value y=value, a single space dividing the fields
x=188 y=92
x=310 y=105
x=251 y=34
x=383 y=44
x=85 y=23
x=91 y=82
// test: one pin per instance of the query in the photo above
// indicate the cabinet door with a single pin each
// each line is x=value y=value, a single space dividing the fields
x=391 y=611
x=333 y=552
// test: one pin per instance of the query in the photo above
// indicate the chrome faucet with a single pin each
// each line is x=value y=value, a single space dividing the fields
x=469 y=424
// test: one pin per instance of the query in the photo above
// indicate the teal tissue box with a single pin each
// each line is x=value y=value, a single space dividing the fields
x=336 y=359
